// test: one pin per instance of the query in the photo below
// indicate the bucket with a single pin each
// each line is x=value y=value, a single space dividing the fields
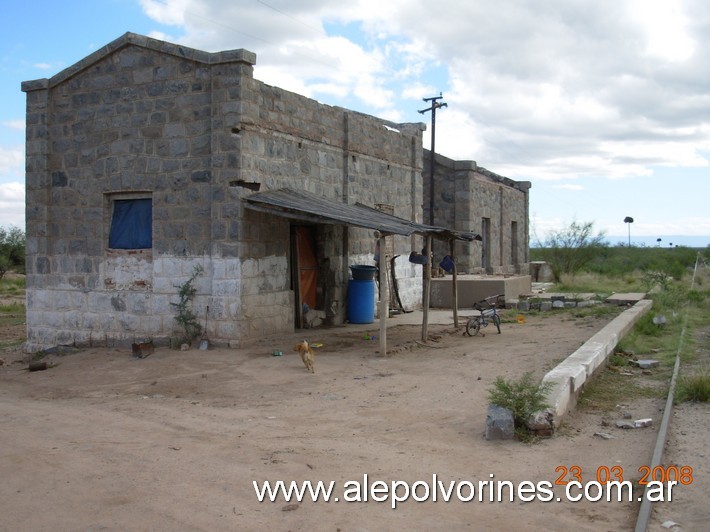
x=521 y=319
x=447 y=264
x=363 y=272
x=361 y=301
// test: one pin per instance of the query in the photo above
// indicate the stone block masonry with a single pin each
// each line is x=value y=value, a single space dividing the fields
x=193 y=133
x=568 y=377
x=470 y=198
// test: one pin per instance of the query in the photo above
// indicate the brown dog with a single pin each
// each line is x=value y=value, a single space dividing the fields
x=307 y=355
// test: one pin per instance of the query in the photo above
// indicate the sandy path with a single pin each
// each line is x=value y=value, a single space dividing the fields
x=174 y=441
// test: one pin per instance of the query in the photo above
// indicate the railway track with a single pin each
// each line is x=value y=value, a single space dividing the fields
x=646 y=507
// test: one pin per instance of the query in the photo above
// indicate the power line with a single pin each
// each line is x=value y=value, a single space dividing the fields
x=317 y=30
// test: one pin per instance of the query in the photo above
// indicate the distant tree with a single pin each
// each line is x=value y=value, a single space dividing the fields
x=12 y=247
x=568 y=250
x=4 y=265
x=629 y=220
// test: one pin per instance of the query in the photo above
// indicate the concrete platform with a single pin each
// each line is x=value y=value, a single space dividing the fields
x=630 y=298
x=568 y=377
x=473 y=288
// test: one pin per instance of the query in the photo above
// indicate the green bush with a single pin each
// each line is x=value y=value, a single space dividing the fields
x=624 y=262
x=4 y=265
x=14 y=286
x=568 y=250
x=695 y=387
x=186 y=317
x=645 y=325
x=523 y=397
x=12 y=248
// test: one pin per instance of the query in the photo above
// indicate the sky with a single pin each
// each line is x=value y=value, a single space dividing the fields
x=603 y=105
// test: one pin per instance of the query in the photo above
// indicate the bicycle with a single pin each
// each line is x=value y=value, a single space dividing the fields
x=488 y=313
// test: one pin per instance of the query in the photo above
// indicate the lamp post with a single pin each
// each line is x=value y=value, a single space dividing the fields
x=434 y=106
x=629 y=220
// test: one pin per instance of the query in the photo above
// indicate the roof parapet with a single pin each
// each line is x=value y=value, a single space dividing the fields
x=211 y=58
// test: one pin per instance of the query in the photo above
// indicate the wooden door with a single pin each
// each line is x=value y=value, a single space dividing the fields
x=305 y=269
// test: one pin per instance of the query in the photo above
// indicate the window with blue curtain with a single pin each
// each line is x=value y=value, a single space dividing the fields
x=131 y=224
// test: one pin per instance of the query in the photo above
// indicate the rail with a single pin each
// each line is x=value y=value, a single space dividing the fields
x=646 y=505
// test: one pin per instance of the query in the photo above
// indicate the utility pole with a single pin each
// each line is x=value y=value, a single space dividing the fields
x=427 y=268
x=434 y=106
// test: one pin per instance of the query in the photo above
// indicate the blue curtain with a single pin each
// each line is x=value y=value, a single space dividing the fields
x=131 y=225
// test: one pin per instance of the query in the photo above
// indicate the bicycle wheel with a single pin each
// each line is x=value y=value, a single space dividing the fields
x=473 y=326
x=496 y=322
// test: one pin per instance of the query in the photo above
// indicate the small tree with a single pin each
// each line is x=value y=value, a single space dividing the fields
x=12 y=247
x=186 y=317
x=4 y=265
x=568 y=250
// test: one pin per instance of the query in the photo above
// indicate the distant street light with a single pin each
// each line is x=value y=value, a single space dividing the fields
x=629 y=220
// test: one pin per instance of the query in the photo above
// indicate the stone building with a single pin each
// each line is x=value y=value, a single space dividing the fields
x=146 y=160
x=468 y=197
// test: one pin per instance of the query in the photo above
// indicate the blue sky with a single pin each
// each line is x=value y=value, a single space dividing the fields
x=603 y=106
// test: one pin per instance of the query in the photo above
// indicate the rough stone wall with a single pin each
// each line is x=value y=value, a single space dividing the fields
x=134 y=119
x=465 y=194
x=288 y=140
x=195 y=133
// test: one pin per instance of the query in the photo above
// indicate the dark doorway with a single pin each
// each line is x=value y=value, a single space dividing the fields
x=304 y=269
x=486 y=244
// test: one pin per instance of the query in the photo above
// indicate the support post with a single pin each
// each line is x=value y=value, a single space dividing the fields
x=454 y=283
x=427 y=290
x=384 y=296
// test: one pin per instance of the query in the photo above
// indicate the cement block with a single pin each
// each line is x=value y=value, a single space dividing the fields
x=542 y=421
x=646 y=364
x=499 y=423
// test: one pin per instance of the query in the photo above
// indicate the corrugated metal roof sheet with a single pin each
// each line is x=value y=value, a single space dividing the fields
x=301 y=205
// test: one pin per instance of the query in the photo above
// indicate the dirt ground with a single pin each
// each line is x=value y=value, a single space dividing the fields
x=105 y=441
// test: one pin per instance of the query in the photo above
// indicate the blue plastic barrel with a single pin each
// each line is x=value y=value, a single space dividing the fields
x=361 y=301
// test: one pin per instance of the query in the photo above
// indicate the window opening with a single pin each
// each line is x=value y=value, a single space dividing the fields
x=131 y=224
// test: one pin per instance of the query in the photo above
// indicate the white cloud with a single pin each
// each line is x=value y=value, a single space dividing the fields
x=12 y=160
x=686 y=225
x=665 y=27
x=18 y=124
x=12 y=192
x=536 y=91
x=554 y=91
x=12 y=205
x=172 y=13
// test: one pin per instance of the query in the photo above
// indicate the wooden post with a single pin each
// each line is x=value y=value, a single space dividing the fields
x=454 y=286
x=384 y=296
x=427 y=289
